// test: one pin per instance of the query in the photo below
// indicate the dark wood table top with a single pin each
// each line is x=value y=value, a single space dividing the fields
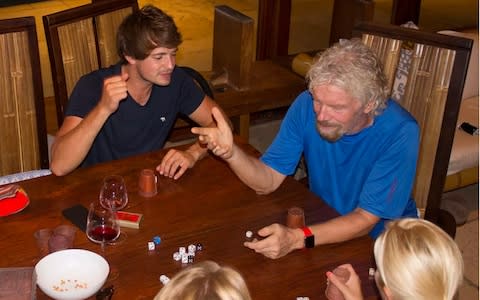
x=207 y=205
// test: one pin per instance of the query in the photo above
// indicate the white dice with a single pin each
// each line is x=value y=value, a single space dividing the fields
x=151 y=246
x=164 y=279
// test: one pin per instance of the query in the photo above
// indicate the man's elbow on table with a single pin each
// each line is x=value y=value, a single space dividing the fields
x=267 y=181
x=263 y=191
x=267 y=187
x=57 y=169
x=261 y=187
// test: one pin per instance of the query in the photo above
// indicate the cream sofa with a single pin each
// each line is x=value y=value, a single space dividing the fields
x=463 y=165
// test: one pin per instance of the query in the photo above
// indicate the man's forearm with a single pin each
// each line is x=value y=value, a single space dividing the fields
x=71 y=148
x=67 y=154
x=252 y=171
x=355 y=224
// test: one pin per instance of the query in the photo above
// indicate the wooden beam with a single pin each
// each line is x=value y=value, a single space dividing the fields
x=273 y=28
x=348 y=13
x=233 y=40
x=404 y=11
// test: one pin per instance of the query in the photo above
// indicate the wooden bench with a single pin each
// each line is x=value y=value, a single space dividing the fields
x=272 y=86
x=241 y=85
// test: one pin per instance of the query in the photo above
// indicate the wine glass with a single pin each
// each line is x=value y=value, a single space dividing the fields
x=103 y=228
x=113 y=192
x=102 y=224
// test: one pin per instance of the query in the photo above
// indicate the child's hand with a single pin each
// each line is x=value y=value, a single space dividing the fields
x=352 y=288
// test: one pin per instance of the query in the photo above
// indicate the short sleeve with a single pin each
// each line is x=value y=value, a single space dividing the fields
x=85 y=96
x=191 y=95
x=286 y=149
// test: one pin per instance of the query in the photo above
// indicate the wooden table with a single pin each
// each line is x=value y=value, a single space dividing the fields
x=208 y=205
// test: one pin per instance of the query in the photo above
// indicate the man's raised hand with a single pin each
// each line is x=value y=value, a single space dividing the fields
x=114 y=91
x=218 y=139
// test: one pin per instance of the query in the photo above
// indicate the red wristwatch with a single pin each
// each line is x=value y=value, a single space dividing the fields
x=309 y=237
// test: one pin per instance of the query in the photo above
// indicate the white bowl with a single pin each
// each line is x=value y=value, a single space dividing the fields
x=71 y=274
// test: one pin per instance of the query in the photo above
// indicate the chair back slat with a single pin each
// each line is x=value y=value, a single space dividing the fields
x=81 y=40
x=437 y=67
x=389 y=52
x=23 y=135
x=106 y=24
x=79 y=54
x=426 y=96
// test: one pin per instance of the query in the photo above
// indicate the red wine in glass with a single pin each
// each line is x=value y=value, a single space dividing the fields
x=103 y=234
x=102 y=224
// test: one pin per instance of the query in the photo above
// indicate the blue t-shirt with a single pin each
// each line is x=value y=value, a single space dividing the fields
x=133 y=129
x=373 y=169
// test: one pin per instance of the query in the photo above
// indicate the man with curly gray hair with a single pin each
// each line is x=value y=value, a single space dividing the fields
x=360 y=150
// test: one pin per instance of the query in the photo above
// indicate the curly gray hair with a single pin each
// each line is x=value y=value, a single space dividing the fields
x=353 y=67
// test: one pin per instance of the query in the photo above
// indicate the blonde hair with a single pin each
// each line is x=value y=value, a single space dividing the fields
x=418 y=260
x=205 y=280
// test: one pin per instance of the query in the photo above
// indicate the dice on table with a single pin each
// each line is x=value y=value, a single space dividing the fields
x=151 y=246
x=164 y=279
x=157 y=240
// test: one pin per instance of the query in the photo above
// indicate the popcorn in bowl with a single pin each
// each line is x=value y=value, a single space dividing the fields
x=71 y=274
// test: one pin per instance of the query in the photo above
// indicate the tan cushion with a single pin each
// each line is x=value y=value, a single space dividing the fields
x=464 y=153
x=471 y=83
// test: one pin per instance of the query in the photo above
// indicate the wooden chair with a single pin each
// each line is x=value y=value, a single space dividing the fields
x=433 y=92
x=23 y=135
x=81 y=40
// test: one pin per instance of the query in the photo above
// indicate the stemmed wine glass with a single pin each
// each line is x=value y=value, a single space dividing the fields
x=114 y=192
x=102 y=224
x=103 y=228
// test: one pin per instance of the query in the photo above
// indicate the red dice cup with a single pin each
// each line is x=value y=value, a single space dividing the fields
x=147 y=183
x=295 y=218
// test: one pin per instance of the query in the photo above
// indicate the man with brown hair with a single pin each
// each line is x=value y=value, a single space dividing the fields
x=129 y=108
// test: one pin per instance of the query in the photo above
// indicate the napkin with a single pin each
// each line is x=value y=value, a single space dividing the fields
x=8 y=191
x=17 y=283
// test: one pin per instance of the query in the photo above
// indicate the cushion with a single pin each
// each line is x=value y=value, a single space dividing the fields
x=471 y=83
x=11 y=178
x=401 y=75
x=464 y=153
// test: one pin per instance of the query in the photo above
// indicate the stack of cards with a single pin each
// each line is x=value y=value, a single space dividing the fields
x=128 y=219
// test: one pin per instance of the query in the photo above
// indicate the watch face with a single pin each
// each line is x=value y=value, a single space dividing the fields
x=310 y=241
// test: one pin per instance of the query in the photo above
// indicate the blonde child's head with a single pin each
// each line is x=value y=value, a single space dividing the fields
x=417 y=260
x=205 y=280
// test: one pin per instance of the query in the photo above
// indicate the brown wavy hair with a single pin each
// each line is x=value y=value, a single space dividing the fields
x=144 y=30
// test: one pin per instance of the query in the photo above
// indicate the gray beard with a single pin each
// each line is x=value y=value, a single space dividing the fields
x=331 y=137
